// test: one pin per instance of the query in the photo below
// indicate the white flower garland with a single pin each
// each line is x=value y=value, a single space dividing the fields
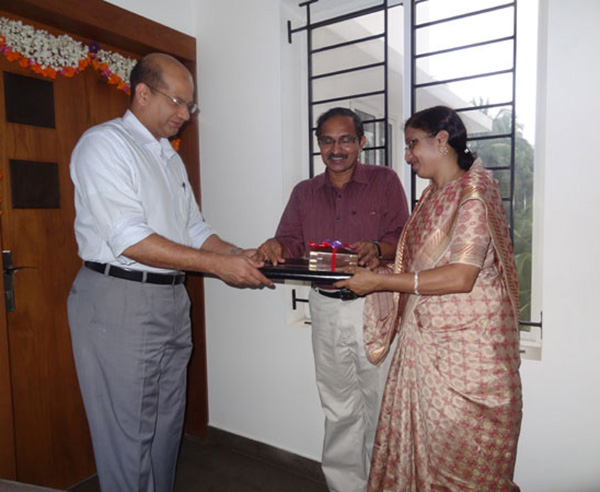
x=62 y=55
x=117 y=63
x=41 y=47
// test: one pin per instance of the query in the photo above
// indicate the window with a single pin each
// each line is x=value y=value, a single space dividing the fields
x=386 y=60
x=349 y=64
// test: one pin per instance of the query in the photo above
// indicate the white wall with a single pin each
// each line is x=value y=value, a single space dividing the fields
x=560 y=441
x=177 y=14
x=261 y=376
x=260 y=371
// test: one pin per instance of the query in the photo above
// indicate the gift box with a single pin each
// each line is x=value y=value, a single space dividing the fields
x=331 y=256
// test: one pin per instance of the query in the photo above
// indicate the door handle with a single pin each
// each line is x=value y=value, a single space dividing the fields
x=9 y=283
x=13 y=270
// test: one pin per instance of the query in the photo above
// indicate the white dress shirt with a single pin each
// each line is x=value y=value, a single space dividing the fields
x=128 y=185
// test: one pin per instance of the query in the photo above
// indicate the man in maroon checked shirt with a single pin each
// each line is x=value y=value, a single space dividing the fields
x=363 y=206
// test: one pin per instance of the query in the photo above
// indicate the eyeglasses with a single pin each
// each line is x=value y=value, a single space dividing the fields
x=345 y=141
x=410 y=145
x=192 y=107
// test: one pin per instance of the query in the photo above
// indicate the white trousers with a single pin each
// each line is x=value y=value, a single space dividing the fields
x=350 y=388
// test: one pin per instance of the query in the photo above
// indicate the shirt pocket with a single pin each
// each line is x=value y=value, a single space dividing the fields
x=366 y=225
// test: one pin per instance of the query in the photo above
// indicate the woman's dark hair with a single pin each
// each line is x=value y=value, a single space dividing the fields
x=434 y=120
x=148 y=71
x=358 y=126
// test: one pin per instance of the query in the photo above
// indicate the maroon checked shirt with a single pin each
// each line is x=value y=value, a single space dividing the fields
x=370 y=207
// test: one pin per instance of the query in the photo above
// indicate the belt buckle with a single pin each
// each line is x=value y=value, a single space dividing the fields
x=347 y=295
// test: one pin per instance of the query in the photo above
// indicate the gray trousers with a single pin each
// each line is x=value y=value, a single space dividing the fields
x=132 y=343
x=350 y=388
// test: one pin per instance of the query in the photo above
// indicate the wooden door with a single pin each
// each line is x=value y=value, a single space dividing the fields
x=51 y=438
x=56 y=451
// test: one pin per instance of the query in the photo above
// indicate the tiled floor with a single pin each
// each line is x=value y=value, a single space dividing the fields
x=206 y=467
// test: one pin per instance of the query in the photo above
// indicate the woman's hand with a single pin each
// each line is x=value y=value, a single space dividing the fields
x=363 y=282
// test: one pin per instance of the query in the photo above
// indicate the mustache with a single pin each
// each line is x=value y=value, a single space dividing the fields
x=331 y=156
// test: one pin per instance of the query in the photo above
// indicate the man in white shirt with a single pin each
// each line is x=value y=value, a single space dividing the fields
x=138 y=227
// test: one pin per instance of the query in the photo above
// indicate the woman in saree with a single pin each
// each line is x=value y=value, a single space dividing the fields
x=451 y=411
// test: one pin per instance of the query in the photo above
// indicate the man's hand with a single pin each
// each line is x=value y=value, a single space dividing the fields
x=368 y=254
x=240 y=271
x=249 y=252
x=271 y=250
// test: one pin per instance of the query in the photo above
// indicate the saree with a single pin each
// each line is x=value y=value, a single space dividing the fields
x=451 y=412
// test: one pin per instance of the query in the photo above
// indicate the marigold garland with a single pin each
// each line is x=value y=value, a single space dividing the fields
x=52 y=56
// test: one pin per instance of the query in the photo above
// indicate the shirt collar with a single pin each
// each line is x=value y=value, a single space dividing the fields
x=359 y=176
x=142 y=135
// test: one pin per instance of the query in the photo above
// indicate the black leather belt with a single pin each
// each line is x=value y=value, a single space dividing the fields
x=136 y=276
x=343 y=294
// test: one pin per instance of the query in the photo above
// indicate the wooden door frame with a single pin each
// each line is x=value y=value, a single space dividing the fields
x=111 y=25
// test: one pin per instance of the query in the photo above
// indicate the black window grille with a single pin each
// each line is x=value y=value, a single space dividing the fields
x=333 y=82
x=495 y=84
x=442 y=47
